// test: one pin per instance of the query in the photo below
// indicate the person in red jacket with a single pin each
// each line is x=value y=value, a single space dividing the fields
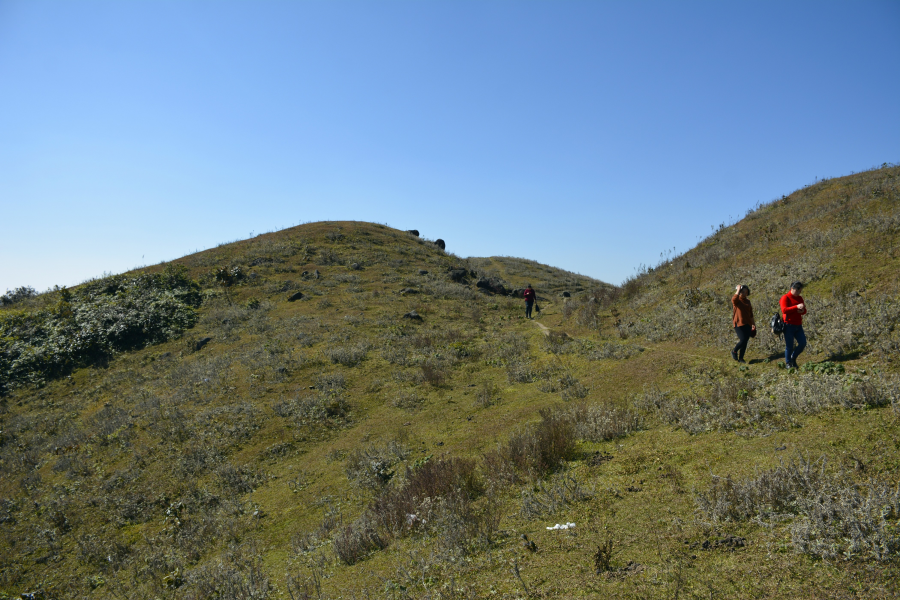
x=744 y=325
x=529 y=300
x=792 y=310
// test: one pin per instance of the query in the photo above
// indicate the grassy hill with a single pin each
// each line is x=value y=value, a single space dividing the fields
x=338 y=410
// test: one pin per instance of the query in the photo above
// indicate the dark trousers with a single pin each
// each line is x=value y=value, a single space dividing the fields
x=528 y=305
x=743 y=333
x=793 y=333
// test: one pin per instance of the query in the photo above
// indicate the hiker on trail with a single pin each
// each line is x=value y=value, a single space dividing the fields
x=529 y=300
x=744 y=325
x=792 y=310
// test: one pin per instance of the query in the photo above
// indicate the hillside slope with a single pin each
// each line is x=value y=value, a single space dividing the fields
x=337 y=410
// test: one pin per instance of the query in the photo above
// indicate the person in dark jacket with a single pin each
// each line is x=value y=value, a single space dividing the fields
x=744 y=325
x=529 y=300
x=793 y=308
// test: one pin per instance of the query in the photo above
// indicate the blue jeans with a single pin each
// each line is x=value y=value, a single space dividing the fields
x=793 y=333
x=528 y=305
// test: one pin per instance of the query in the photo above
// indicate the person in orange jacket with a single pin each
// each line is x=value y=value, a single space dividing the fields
x=744 y=325
x=529 y=300
x=793 y=307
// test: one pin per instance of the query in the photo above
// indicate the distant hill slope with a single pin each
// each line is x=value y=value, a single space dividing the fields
x=547 y=280
x=840 y=237
x=337 y=410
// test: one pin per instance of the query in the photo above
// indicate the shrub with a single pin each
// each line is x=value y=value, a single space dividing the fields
x=601 y=422
x=372 y=467
x=733 y=403
x=487 y=395
x=353 y=542
x=830 y=515
x=537 y=450
x=239 y=575
x=548 y=497
x=321 y=407
x=435 y=478
x=610 y=350
x=349 y=356
x=435 y=375
x=520 y=371
x=330 y=382
x=17 y=295
x=98 y=319
x=405 y=399
x=507 y=347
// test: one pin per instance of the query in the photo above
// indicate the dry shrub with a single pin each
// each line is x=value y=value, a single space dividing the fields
x=487 y=395
x=507 y=347
x=772 y=400
x=372 y=467
x=408 y=400
x=573 y=390
x=550 y=496
x=355 y=541
x=601 y=422
x=239 y=575
x=535 y=451
x=349 y=356
x=437 y=478
x=321 y=407
x=440 y=494
x=433 y=374
x=329 y=382
x=610 y=350
x=830 y=515
x=520 y=371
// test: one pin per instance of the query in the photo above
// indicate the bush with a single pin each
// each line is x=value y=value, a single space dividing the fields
x=434 y=479
x=535 y=451
x=601 y=422
x=520 y=371
x=487 y=395
x=433 y=374
x=349 y=356
x=830 y=515
x=240 y=575
x=321 y=407
x=406 y=399
x=17 y=295
x=92 y=323
x=551 y=496
x=772 y=400
x=372 y=467
x=355 y=541
x=433 y=493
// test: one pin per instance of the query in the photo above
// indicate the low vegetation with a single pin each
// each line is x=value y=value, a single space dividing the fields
x=342 y=410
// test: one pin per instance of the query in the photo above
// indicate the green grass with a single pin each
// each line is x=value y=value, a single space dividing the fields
x=168 y=471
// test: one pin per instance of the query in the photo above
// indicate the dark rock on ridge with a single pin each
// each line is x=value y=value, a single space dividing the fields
x=492 y=285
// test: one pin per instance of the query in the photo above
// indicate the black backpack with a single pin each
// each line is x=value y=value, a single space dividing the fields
x=777 y=324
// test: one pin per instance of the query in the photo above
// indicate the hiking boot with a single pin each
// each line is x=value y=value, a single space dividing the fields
x=734 y=355
x=742 y=361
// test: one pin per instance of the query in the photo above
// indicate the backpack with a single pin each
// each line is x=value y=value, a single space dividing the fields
x=777 y=324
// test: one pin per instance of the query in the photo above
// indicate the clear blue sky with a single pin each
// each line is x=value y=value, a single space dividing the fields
x=588 y=135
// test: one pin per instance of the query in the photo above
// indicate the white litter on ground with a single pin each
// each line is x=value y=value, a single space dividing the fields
x=563 y=526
